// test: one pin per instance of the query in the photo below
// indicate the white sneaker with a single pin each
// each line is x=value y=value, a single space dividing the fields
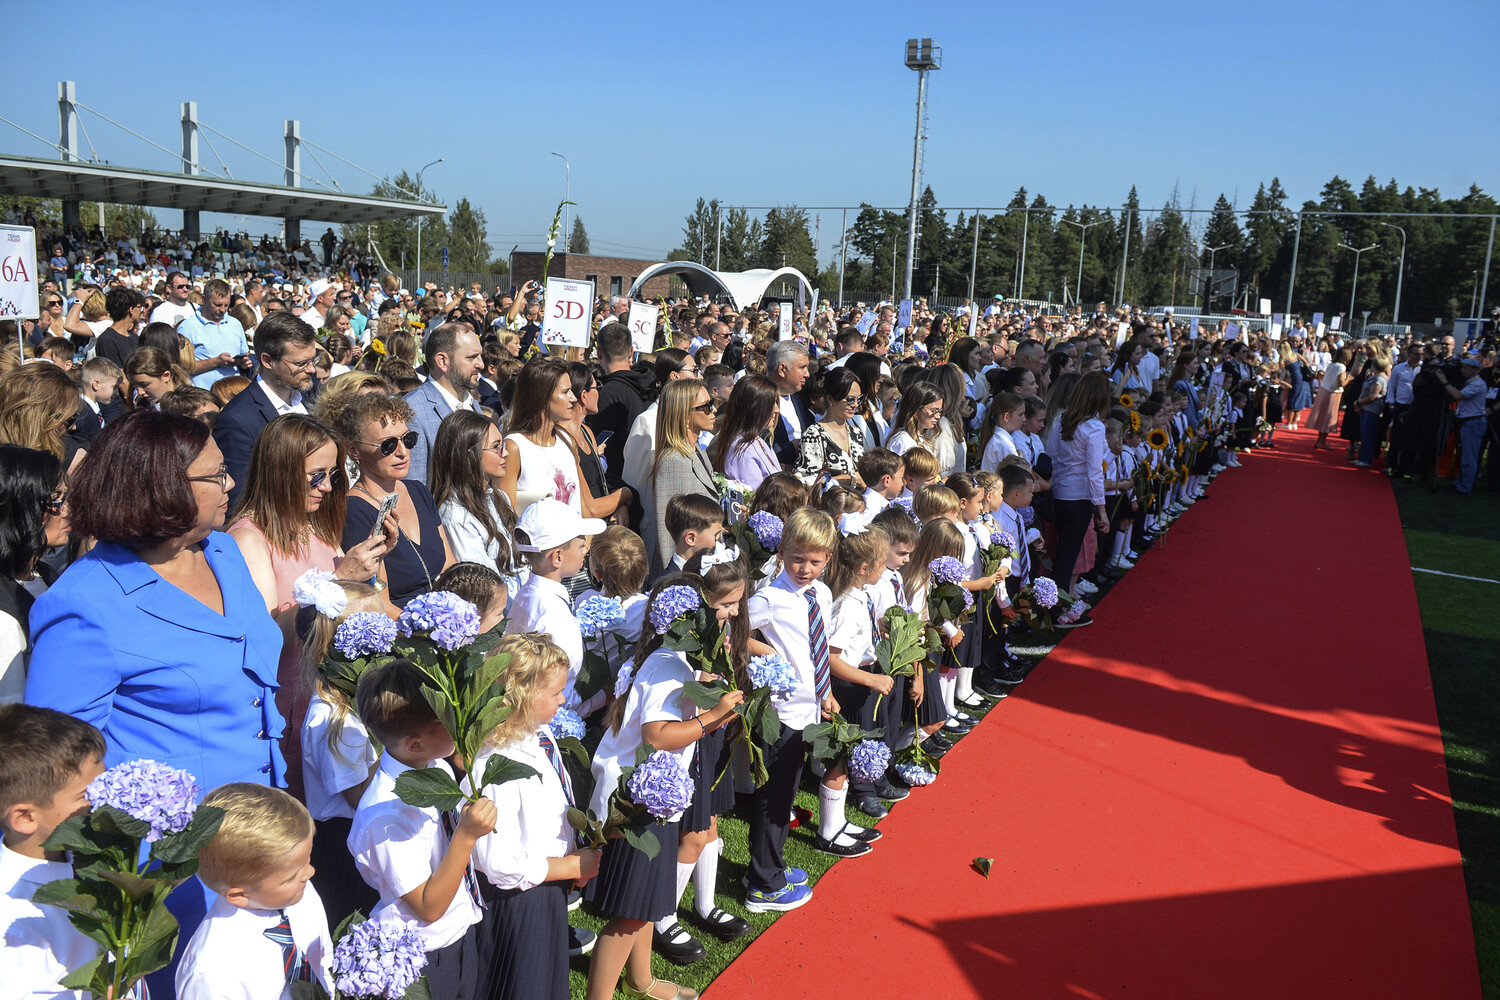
x=1085 y=588
x=1134 y=556
x=1124 y=562
x=1219 y=468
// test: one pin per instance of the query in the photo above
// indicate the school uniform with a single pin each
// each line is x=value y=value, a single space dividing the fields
x=543 y=605
x=786 y=616
x=617 y=649
x=631 y=885
x=969 y=652
x=336 y=756
x=397 y=847
x=854 y=632
x=932 y=709
x=523 y=946
x=243 y=954
x=41 y=944
x=875 y=502
x=886 y=594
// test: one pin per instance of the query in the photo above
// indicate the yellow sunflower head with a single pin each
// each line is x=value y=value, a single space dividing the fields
x=1157 y=438
x=1127 y=400
x=378 y=346
x=1135 y=422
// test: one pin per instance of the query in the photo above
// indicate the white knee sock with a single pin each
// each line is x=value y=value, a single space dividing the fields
x=1121 y=537
x=965 y=689
x=684 y=875
x=947 y=684
x=831 y=818
x=705 y=878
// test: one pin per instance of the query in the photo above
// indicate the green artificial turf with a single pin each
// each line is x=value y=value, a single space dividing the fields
x=1461 y=534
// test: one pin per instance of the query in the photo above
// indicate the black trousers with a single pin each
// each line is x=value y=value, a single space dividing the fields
x=453 y=972
x=1399 y=455
x=1074 y=518
x=771 y=809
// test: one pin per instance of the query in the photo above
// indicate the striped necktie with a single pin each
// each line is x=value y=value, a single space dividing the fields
x=896 y=591
x=555 y=759
x=294 y=963
x=874 y=622
x=1023 y=551
x=470 y=882
x=817 y=638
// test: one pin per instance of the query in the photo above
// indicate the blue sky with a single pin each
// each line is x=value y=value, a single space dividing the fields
x=655 y=104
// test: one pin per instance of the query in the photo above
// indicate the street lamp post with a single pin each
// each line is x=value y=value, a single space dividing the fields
x=1208 y=286
x=567 y=197
x=1355 y=286
x=1400 y=271
x=922 y=56
x=419 y=221
x=1083 y=231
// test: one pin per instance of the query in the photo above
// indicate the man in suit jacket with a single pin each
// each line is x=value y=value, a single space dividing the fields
x=285 y=348
x=787 y=366
x=454 y=363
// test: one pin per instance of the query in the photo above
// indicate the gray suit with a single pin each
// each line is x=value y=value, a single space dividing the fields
x=428 y=410
x=677 y=475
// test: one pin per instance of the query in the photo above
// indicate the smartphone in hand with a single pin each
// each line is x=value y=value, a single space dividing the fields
x=387 y=506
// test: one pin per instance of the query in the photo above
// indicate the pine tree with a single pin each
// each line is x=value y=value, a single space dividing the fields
x=578 y=239
x=1223 y=232
x=468 y=243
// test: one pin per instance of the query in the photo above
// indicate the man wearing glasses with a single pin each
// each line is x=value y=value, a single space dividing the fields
x=176 y=308
x=286 y=349
x=218 y=338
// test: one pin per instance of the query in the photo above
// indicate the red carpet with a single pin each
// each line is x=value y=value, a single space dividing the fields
x=1231 y=786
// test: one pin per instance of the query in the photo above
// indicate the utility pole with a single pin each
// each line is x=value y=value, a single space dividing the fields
x=1400 y=272
x=922 y=56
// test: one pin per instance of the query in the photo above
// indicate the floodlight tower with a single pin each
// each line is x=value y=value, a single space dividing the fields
x=922 y=56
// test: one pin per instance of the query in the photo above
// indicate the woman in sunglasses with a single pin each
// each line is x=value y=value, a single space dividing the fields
x=828 y=444
x=684 y=410
x=34 y=513
x=290 y=519
x=374 y=429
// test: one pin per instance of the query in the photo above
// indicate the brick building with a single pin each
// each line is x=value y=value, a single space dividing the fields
x=610 y=275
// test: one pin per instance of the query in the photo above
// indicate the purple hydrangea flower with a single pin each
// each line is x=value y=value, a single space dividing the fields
x=1028 y=514
x=661 y=784
x=671 y=604
x=599 y=614
x=774 y=672
x=1003 y=539
x=868 y=761
x=162 y=797
x=1045 y=591
x=914 y=774
x=968 y=601
x=380 y=960
x=451 y=621
x=946 y=569
x=567 y=723
x=767 y=529
x=364 y=633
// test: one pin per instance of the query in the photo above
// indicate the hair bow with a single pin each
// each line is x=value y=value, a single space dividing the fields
x=319 y=589
x=854 y=523
x=718 y=556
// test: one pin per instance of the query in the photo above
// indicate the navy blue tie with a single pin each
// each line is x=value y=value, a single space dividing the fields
x=294 y=963
x=470 y=882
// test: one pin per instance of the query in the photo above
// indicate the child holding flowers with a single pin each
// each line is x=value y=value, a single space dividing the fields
x=633 y=889
x=939 y=539
x=530 y=861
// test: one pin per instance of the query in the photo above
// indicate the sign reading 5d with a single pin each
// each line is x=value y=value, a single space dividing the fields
x=566 y=318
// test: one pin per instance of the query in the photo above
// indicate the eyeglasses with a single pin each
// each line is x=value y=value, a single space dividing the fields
x=300 y=366
x=317 y=479
x=221 y=477
x=54 y=504
x=711 y=406
x=388 y=446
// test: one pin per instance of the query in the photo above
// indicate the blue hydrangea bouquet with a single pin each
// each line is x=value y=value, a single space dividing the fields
x=654 y=788
x=117 y=897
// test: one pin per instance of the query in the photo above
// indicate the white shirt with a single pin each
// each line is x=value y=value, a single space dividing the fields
x=468 y=402
x=640 y=448
x=1149 y=368
x=875 y=502
x=1001 y=446
x=851 y=631
x=542 y=605
x=335 y=757
x=397 y=847
x=40 y=944
x=655 y=695
x=779 y=610
x=230 y=957
x=617 y=647
x=533 y=818
x=292 y=404
x=1028 y=446
x=167 y=312
x=467 y=536
x=1398 y=384
x=792 y=417
x=1008 y=519
x=1078 y=465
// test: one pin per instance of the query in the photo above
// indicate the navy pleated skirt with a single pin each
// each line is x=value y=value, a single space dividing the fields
x=712 y=757
x=633 y=886
x=523 y=946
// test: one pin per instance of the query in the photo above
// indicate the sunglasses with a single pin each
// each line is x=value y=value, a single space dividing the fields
x=711 y=406
x=54 y=504
x=854 y=400
x=319 y=478
x=388 y=446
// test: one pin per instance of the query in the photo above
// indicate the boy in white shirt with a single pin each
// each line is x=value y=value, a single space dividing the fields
x=884 y=473
x=267 y=929
x=695 y=523
x=556 y=538
x=47 y=759
x=415 y=857
x=793 y=612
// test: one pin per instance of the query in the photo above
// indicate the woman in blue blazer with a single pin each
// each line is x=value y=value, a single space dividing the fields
x=158 y=636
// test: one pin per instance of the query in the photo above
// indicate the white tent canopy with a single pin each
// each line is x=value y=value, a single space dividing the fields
x=744 y=288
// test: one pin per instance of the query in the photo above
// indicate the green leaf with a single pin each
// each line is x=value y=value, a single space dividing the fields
x=705 y=694
x=144 y=961
x=112 y=820
x=136 y=887
x=442 y=707
x=67 y=894
x=486 y=641
x=185 y=844
x=303 y=990
x=350 y=922
x=71 y=835
x=159 y=925
x=428 y=788
x=82 y=978
x=500 y=769
x=642 y=840
x=490 y=670
x=419 y=990
x=573 y=747
x=488 y=720
x=593 y=675
x=769 y=724
x=983 y=865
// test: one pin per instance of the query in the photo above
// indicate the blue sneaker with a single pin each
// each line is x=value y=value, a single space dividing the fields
x=788 y=897
x=794 y=876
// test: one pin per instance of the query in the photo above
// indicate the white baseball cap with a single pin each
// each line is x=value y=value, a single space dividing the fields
x=319 y=287
x=550 y=523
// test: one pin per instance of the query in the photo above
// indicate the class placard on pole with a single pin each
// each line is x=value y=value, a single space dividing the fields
x=18 y=281
x=903 y=315
x=642 y=324
x=786 y=322
x=566 y=318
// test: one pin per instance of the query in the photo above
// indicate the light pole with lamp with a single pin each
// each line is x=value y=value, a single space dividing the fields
x=1083 y=232
x=1355 y=286
x=1400 y=271
x=567 y=196
x=924 y=57
x=1208 y=286
x=419 y=221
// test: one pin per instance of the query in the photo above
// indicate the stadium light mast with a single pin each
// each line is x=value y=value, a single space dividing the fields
x=922 y=56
